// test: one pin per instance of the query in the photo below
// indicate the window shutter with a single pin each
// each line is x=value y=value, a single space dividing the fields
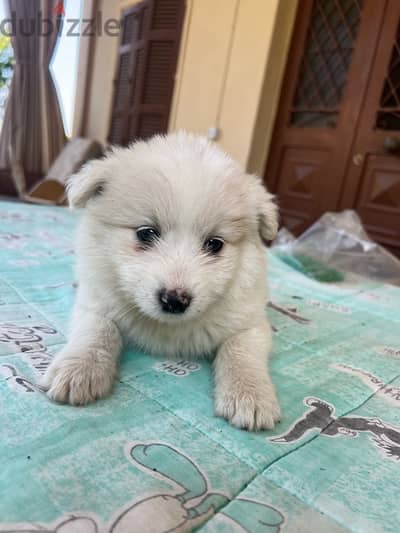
x=146 y=69
x=132 y=26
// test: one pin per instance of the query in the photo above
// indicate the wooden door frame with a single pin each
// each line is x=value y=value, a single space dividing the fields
x=371 y=12
x=351 y=188
x=361 y=185
x=298 y=40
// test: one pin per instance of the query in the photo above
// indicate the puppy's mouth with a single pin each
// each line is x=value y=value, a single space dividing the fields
x=168 y=317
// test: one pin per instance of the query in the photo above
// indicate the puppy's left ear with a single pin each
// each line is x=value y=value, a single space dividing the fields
x=87 y=183
x=267 y=214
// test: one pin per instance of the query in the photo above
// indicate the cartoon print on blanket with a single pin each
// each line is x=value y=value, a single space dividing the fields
x=18 y=381
x=29 y=341
x=290 y=312
x=24 y=337
x=193 y=502
x=321 y=416
x=389 y=393
x=190 y=503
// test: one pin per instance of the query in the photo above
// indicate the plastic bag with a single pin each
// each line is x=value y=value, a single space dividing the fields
x=335 y=247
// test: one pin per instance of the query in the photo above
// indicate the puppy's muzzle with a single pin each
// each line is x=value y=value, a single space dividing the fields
x=175 y=301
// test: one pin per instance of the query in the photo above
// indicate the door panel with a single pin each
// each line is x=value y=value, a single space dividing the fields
x=372 y=184
x=326 y=79
x=299 y=183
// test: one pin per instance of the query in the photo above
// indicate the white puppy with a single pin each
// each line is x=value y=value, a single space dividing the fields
x=171 y=258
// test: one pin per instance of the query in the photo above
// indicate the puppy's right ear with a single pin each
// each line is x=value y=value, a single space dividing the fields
x=87 y=183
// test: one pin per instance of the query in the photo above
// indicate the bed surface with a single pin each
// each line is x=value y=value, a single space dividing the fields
x=152 y=457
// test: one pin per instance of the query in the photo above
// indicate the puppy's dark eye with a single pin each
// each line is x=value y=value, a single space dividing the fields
x=214 y=245
x=147 y=234
x=99 y=189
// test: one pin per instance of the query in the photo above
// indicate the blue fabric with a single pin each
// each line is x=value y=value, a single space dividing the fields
x=152 y=457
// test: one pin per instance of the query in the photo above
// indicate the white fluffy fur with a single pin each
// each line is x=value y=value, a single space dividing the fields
x=191 y=190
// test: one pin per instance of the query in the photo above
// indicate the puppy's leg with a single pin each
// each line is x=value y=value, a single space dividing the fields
x=244 y=393
x=86 y=367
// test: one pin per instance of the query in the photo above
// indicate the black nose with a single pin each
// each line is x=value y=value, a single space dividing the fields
x=176 y=301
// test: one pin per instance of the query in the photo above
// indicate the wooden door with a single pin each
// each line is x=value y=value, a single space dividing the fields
x=144 y=81
x=327 y=149
x=372 y=184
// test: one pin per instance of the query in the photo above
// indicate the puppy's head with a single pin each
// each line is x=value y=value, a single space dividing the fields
x=174 y=219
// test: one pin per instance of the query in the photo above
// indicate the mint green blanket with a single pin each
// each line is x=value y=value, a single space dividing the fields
x=152 y=457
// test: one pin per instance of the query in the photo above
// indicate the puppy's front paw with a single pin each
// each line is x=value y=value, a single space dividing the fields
x=249 y=407
x=80 y=379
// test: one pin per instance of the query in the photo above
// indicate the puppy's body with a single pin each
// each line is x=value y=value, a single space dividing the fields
x=191 y=195
x=233 y=311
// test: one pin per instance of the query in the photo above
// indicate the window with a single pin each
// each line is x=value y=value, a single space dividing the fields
x=64 y=65
x=325 y=64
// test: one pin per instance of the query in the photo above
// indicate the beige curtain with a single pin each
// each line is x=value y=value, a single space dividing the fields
x=32 y=134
